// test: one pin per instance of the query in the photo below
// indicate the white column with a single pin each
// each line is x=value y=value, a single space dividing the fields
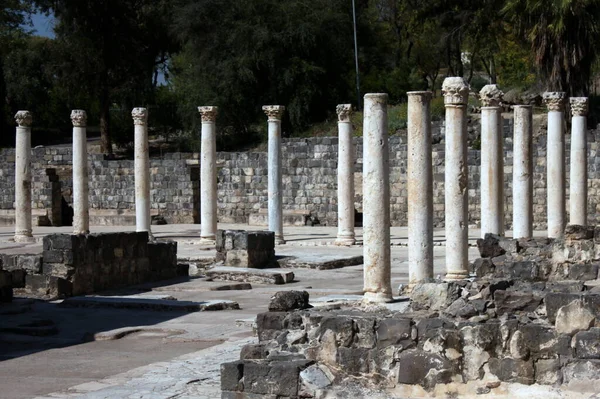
x=142 y=171
x=492 y=161
x=578 y=172
x=555 y=163
x=456 y=93
x=420 y=189
x=523 y=172
x=274 y=114
x=376 y=200
x=81 y=219
x=345 y=177
x=208 y=174
x=23 y=230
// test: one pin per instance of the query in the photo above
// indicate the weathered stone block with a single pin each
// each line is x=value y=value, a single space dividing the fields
x=392 y=331
x=277 y=377
x=418 y=367
x=513 y=370
x=513 y=301
x=231 y=376
x=30 y=263
x=583 y=271
x=555 y=301
x=254 y=351
x=583 y=375
x=587 y=344
x=53 y=256
x=269 y=324
x=240 y=248
x=577 y=232
x=434 y=296
x=284 y=301
x=548 y=372
x=574 y=317
x=341 y=326
x=482 y=266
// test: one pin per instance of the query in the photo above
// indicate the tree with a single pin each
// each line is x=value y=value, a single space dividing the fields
x=13 y=16
x=246 y=53
x=563 y=35
x=111 y=50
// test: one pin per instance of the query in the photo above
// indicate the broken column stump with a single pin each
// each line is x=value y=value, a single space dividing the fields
x=251 y=249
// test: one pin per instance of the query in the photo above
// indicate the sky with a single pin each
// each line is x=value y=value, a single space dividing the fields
x=42 y=24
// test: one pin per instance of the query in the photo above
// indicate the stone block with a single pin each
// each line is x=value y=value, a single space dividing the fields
x=254 y=351
x=513 y=370
x=269 y=324
x=543 y=341
x=482 y=266
x=418 y=367
x=353 y=360
x=489 y=246
x=342 y=328
x=512 y=301
x=231 y=376
x=583 y=375
x=583 y=271
x=284 y=301
x=276 y=378
x=555 y=301
x=53 y=256
x=240 y=248
x=573 y=318
x=548 y=372
x=392 y=331
x=30 y=263
x=577 y=232
x=587 y=344
x=525 y=270
x=434 y=296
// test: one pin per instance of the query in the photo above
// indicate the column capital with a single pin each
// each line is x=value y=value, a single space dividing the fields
x=554 y=100
x=274 y=112
x=455 y=91
x=140 y=116
x=344 y=111
x=579 y=106
x=490 y=96
x=208 y=113
x=23 y=118
x=79 y=118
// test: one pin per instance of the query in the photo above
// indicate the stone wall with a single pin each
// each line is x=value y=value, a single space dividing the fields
x=309 y=182
x=83 y=264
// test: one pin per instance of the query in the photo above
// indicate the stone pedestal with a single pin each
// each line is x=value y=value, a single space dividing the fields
x=420 y=189
x=81 y=218
x=492 y=161
x=208 y=175
x=456 y=93
x=251 y=249
x=345 y=177
x=578 y=172
x=142 y=171
x=376 y=200
x=555 y=163
x=275 y=204
x=23 y=230
x=523 y=172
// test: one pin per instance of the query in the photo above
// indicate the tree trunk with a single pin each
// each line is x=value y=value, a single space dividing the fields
x=105 y=141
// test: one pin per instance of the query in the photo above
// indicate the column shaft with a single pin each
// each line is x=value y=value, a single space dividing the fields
x=555 y=164
x=275 y=201
x=523 y=172
x=376 y=200
x=81 y=220
x=208 y=174
x=345 y=177
x=23 y=225
x=420 y=189
x=142 y=170
x=456 y=93
x=578 y=172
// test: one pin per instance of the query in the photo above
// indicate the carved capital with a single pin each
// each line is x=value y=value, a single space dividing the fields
x=79 y=118
x=579 y=106
x=554 y=100
x=274 y=112
x=344 y=111
x=490 y=96
x=455 y=91
x=208 y=114
x=140 y=116
x=23 y=118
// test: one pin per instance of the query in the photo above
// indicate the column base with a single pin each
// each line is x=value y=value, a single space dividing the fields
x=24 y=238
x=279 y=240
x=208 y=240
x=345 y=241
x=456 y=276
x=80 y=232
x=377 y=297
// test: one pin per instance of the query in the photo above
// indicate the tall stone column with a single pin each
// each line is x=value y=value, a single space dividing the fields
x=275 y=204
x=492 y=161
x=420 y=189
x=523 y=172
x=208 y=174
x=555 y=163
x=578 y=172
x=456 y=94
x=23 y=230
x=376 y=200
x=142 y=171
x=345 y=177
x=81 y=218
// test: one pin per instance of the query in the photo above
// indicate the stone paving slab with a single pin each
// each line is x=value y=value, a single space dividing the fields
x=132 y=302
x=261 y=276
x=320 y=262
